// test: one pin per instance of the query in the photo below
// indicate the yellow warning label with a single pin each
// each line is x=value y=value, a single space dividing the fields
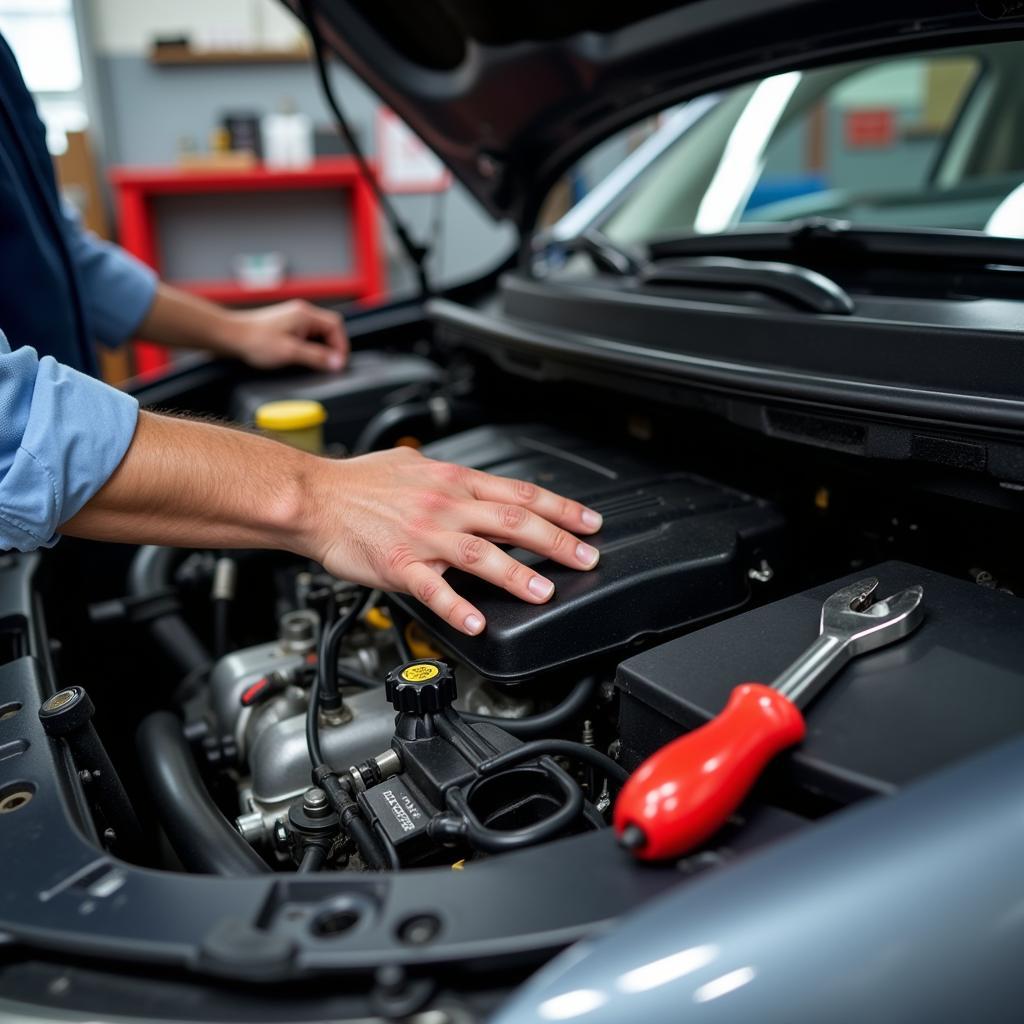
x=420 y=673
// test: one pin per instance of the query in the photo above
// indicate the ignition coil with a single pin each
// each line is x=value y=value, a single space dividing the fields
x=447 y=792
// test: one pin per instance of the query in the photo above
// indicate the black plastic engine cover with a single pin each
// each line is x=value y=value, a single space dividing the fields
x=951 y=689
x=675 y=550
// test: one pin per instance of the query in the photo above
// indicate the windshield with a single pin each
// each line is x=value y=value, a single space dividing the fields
x=931 y=140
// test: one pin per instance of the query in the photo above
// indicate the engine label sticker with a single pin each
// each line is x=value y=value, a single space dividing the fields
x=420 y=673
x=404 y=808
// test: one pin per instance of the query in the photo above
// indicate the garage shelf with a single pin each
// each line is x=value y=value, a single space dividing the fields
x=137 y=187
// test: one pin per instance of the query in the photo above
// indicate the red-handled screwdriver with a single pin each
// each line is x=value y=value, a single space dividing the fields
x=683 y=793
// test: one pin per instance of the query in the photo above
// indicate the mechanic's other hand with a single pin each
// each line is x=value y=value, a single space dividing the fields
x=397 y=520
x=281 y=335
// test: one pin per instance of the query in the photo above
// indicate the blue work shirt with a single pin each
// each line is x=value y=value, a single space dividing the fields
x=61 y=289
x=62 y=434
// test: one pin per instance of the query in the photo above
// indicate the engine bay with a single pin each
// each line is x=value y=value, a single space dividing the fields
x=193 y=803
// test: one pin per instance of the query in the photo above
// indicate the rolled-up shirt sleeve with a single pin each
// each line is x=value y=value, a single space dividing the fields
x=62 y=434
x=117 y=289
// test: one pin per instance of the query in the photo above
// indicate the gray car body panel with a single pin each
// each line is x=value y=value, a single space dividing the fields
x=905 y=909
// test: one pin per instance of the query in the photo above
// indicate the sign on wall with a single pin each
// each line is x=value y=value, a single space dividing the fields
x=405 y=164
x=870 y=129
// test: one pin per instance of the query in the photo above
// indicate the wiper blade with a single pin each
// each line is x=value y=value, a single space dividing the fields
x=822 y=236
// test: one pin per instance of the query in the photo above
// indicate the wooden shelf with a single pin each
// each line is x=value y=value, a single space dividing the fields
x=183 y=56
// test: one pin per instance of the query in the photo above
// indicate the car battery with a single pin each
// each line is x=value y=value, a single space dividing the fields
x=371 y=381
x=951 y=689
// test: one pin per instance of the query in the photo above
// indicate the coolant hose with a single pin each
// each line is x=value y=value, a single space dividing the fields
x=150 y=573
x=393 y=417
x=204 y=840
x=543 y=724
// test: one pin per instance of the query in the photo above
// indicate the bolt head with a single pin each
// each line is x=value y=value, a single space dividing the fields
x=315 y=803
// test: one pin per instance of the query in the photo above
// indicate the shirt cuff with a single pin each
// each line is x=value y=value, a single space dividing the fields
x=77 y=433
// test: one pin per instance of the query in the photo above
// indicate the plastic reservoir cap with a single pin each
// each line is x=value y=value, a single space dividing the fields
x=290 y=414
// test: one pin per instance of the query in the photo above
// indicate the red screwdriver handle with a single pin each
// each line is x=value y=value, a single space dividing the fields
x=685 y=792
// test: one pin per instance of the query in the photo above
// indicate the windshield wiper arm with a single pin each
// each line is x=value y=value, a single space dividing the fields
x=800 y=287
x=607 y=256
x=828 y=237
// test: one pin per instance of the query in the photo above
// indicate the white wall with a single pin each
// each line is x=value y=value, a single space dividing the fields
x=127 y=27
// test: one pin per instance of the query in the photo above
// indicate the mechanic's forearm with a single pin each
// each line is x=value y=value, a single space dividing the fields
x=392 y=520
x=182 y=320
x=189 y=483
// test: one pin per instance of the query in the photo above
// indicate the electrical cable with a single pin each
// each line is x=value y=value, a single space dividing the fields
x=316 y=754
x=547 y=721
x=614 y=771
x=326 y=686
x=350 y=675
x=327 y=682
x=417 y=254
x=366 y=843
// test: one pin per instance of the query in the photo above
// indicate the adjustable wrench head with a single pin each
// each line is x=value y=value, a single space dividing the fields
x=864 y=623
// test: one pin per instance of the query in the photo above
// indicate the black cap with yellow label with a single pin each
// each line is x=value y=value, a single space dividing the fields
x=420 y=687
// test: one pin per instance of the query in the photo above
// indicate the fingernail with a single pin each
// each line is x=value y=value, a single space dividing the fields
x=587 y=555
x=540 y=587
x=591 y=519
x=473 y=624
x=335 y=361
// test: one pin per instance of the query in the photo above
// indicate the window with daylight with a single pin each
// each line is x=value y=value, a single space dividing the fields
x=43 y=36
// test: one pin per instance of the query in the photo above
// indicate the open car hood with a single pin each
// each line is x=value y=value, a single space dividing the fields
x=509 y=94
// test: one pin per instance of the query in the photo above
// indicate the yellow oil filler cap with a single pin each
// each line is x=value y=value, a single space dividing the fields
x=297 y=421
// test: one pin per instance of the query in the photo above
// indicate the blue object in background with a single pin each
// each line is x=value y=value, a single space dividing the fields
x=775 y=189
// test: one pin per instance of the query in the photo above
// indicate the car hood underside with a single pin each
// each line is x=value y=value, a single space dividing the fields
x=509 y=95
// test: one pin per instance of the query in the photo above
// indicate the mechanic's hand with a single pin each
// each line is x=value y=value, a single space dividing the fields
x=397 y=520
x=281 y=336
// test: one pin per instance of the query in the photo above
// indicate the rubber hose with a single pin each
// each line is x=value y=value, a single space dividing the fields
x=204 y=840
x=547 y=721
x=314 y=857
x=150 y=573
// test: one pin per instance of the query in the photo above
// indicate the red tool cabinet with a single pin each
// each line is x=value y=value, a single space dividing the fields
x=135 y=187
